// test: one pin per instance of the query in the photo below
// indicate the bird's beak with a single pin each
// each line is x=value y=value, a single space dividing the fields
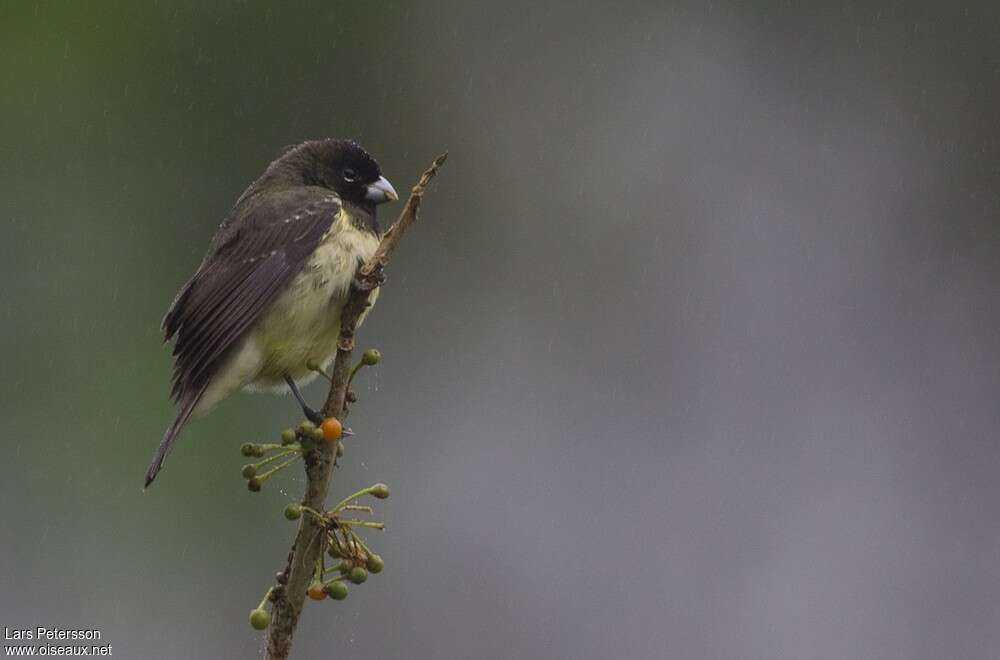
x=381 y=191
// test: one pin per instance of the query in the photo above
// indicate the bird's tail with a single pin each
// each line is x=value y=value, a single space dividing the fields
x=184 y=409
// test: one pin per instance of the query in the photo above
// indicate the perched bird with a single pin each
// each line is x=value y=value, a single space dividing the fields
x=268 y=295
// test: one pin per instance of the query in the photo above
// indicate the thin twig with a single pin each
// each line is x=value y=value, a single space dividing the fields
x=319 y=461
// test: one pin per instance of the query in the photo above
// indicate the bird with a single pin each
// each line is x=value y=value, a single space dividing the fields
x=268 y=295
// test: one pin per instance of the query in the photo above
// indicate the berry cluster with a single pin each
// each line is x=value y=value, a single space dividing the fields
x=340 y=540
x=353 y=560
x=295 y=443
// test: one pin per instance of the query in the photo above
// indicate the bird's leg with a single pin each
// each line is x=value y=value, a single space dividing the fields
x=310 y=414
x=362 y=285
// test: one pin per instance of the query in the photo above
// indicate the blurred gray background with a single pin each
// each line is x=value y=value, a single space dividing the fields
x=694 y=353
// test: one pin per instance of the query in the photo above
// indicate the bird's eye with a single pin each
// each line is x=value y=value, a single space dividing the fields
x=350 y=176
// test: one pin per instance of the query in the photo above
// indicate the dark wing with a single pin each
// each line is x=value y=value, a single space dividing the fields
x=253 y=257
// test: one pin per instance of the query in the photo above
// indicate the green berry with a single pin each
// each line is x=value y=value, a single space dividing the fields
x=345 y=566
x=293 y=511
x=248 y=449
x=380 y=491
x=337 y=590
x=316 y=434
x=305 y=428
x=357 y=575
x=375 y=564
x=254 y=484
x=312 y=365
x=371 y=357
x=249 y=471
x=288 y=436
x=260 y=619
x=340 y=449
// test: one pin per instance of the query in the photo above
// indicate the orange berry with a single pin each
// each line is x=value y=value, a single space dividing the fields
x=332 y=429
x=316 y=591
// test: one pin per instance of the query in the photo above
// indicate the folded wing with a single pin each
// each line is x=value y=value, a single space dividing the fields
x=251 y=261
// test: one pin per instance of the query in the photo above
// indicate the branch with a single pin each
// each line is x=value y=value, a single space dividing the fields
x=289 y=597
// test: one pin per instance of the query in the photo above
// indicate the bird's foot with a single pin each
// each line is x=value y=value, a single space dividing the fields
x=368 y=284
x=312 y=415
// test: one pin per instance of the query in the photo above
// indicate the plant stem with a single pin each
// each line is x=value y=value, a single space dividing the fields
x=319 y=461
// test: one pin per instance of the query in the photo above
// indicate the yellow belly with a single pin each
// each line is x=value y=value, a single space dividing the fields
x=303 y=323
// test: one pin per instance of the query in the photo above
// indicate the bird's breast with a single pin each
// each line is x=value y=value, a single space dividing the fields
x=303 y=323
